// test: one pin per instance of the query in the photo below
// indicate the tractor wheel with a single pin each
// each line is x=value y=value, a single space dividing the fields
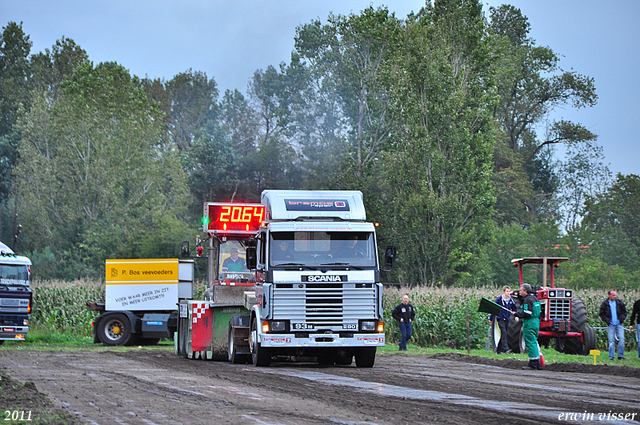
x=494 y=335
x=182 y=337
x=259 y=356
x=515 y=340
x=589 y=337
x=578 y=323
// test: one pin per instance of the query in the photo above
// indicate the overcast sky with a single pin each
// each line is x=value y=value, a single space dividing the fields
x=229 y=40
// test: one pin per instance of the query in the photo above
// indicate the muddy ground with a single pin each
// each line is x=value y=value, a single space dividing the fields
x=157 y=387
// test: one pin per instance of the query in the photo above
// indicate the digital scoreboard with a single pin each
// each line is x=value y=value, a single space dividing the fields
x=225 y=218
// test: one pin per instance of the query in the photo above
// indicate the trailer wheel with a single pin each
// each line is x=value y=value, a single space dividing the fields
x=259 y=356
x=578 y=323
x=115 y=329
x=365 y=357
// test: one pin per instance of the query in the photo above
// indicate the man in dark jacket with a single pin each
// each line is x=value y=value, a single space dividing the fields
x=404 y=314
x=613 y=312
x=635 y=314
x=502 y=319
x=530 y=315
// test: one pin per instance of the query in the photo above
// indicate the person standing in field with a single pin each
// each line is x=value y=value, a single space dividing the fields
x=530 y=315
x=404 y=314
x=503 y=317
x=635 y=314
x=613 y=312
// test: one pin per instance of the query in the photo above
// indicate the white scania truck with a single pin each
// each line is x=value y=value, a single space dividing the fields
x=317 y=290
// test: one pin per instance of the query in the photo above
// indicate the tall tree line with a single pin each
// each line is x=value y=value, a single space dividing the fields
x=435 y=117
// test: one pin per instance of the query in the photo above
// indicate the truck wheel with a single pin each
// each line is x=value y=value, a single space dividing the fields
x=259 y=356
x=1 y=341
x=578 y=323
x=115 y=329
x=365 y=357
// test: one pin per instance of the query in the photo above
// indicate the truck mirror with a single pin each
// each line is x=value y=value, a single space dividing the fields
x=185 y=249
x=390 y=257
x=251 y=257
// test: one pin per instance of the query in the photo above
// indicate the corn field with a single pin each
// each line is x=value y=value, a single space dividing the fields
x=441 y=313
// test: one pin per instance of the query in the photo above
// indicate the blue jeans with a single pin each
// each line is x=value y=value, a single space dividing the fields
x=405 y=331
x=638 y=338
x=612 y=331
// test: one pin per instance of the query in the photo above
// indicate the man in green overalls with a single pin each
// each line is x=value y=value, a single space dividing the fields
x=530 y=315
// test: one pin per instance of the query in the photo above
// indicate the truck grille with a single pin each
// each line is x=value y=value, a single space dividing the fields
x=324 y=306
x=560 y=308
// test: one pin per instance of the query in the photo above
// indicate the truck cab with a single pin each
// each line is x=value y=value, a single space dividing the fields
x=318 y=290
x=15 y=295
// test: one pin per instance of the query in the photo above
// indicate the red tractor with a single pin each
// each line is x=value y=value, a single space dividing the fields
x=562 y=316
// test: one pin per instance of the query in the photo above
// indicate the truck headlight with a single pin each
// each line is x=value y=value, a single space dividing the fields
x=278 y=326
x=25 y=322
x=368 y=325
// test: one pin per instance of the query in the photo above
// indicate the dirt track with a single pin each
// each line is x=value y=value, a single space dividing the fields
x=156 y=387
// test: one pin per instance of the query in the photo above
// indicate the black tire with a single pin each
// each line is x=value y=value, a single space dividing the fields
x=182 y=337
x=259 y=356
x=494 y=335
x=514 y=333
x=590 y=341
x=365 y=357
x=115 y=329
x=234 y=357
x=578 y=323
x=1 y=341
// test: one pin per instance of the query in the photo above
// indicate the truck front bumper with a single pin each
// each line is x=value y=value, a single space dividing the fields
x=333 y=340
x=13 y=333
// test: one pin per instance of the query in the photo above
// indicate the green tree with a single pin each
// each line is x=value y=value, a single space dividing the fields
x=618 y=207
x=193 y=102
x=347 y=62
x=530 y=85
x=15 y=73
x=439 y=192
x=97 y=178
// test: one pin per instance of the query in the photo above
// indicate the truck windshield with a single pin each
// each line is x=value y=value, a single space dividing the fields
x=323 y=249
x=14 y=272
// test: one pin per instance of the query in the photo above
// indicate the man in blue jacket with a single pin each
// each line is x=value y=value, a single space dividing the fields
x=613 y=312
x=404 y=314
x=502 y=319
